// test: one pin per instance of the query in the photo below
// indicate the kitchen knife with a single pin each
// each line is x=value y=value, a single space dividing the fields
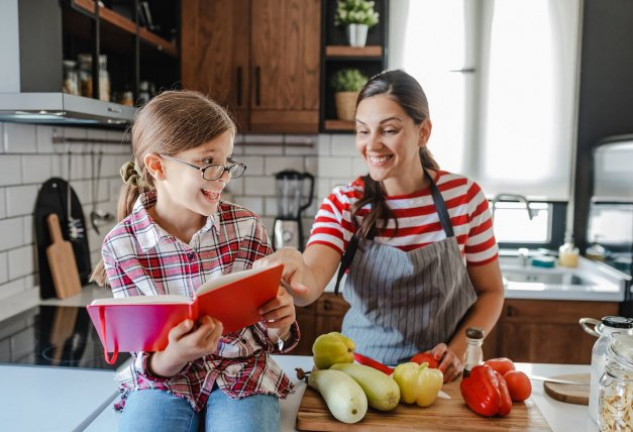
x=557 y=381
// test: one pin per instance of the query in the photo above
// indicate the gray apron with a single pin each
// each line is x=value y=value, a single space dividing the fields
x=402 y=302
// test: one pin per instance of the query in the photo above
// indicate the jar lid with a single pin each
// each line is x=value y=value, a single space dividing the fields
x=475 y=333
x=617 y=322
x=621 y=348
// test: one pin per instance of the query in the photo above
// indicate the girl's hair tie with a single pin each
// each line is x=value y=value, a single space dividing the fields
x=131 y=175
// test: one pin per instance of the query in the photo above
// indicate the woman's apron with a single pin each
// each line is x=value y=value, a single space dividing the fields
x=401 y=302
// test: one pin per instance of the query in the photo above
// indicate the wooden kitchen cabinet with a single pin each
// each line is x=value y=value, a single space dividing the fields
x=545 y=331
x=323 y=316
x=261 y=58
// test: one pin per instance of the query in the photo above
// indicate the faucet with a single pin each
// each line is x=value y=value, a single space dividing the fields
x=514 y=197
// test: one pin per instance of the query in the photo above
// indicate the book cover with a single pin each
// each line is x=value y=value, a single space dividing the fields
x=142 y=323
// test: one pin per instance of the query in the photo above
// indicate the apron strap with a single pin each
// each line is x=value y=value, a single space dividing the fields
x=440 y=207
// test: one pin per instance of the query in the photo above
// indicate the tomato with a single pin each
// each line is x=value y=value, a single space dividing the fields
x=519 y=385
x=426 y=357
x=501 y=364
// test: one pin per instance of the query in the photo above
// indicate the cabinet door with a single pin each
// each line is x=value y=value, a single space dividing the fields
x=306 y=318
x=285 y=62
x=215 y=52
x=547 y=331
x=329 y=313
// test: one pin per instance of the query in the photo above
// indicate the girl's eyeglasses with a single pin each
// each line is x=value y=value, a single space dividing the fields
x=214 y=172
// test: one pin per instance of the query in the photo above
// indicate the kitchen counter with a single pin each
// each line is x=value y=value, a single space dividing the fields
x=562 y=417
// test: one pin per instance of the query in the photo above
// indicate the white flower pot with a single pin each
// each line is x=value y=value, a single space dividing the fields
x=357 y=35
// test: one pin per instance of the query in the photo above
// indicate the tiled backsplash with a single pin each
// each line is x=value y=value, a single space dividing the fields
x=28 y=157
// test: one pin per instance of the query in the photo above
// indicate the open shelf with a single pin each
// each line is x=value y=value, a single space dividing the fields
x=339 y=125
x=350 y=51
x=126 y=25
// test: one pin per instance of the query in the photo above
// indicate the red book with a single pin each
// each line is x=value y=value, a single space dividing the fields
x=142 y=323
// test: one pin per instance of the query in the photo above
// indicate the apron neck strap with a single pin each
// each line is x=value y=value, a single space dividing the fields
x=440 y=206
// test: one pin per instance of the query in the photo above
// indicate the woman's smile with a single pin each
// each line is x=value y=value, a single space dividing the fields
x=379 y=160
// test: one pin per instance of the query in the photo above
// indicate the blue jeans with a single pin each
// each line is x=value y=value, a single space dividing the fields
x=157 y=410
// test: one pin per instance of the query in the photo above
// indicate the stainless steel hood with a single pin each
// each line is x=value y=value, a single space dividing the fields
x=61 y=108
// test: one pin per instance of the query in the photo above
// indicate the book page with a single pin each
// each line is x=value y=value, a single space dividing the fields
x=157 y=299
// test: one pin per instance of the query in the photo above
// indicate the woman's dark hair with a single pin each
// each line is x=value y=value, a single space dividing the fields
x=407 y=92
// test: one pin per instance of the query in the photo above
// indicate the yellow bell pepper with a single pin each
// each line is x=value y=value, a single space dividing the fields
x=418 y=383
x=332 y=348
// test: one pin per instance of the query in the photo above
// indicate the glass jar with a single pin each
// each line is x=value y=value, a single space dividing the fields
x=104 y=79
x=605 y=331
x=474 y=352
x=144 y=94
x=616 y=386
x=85 y=74
x=71 y=78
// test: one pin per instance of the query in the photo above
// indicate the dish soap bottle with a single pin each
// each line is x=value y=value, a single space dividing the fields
x=568 y=253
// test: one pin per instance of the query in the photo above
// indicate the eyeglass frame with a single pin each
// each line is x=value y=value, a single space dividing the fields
x=202 y=169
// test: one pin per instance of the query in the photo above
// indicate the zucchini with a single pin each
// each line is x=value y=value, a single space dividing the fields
x=343 y=396
x=383 y=392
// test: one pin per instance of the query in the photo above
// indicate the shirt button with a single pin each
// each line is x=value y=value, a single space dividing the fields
x=190 y=256
x=243 y=340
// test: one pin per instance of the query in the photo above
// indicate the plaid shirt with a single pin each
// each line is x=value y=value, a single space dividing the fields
x=143 y=259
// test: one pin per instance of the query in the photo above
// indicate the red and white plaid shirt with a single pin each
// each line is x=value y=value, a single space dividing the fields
x=141 y=258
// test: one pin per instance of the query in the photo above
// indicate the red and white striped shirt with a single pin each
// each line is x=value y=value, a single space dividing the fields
x=418 y=221
x=141 y=258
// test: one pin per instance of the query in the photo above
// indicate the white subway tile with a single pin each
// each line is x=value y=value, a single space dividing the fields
x=12 y=288
x=21 y=262
x=344 y=145
x=1 y=137
x=44 y=138
x=254 y=149
x=58 y=165
x=273 y=165
x=20 y=201
x=311 y=165
x=323 y=144
x=19 y=138
x=29 y=282
x=254 y=164
x=301 y=151
x=263 y=139
x=336 y=182
x=322 y=188
x=268 y=224
x=259 y=186
x=335 y=167
x=359 y=166
x=10 y=170
x=270 y=206
x=98 y=134
x=12 y=233
x=236 y=186
x=29 y=230
x=36 y=169
x=3 y=204
x=4 y=267
x=307 y=140
x=74 y=132
x=254 y=204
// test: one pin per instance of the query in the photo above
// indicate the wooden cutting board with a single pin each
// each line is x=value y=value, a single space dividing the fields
x=61 y=260
x=443 y=415
x=574 y=394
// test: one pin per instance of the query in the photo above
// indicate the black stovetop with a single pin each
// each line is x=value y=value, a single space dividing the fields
x=53 y=336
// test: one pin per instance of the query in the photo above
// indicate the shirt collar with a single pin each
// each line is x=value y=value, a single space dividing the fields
x=148 y=233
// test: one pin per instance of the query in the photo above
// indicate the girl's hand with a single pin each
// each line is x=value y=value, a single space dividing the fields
x=279 y=313
x=292 y=260
x=450 y=364
x=186 y=344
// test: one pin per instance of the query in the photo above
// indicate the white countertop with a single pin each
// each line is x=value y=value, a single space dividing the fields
x=562 y=417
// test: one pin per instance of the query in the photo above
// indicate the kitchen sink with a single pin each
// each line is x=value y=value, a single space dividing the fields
x=544 y=276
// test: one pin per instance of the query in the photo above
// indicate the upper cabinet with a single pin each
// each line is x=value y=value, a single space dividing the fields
x=261 y=58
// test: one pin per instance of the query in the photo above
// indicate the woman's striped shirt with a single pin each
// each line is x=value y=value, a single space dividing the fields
x=418 y=221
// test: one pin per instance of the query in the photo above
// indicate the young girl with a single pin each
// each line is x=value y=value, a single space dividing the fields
x=175 y=233
x=417 y=240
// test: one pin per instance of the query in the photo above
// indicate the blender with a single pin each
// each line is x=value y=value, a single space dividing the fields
x=287 y=229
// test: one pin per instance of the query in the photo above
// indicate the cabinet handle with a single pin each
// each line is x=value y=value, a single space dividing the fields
x=509 y=311
x=327 y=305
x=239 y=86
x=257 y=72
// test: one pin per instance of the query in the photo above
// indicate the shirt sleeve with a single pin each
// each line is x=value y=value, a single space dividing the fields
x=333 y=225
x=481 y=246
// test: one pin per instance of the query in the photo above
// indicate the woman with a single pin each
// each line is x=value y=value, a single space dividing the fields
x=417 y=240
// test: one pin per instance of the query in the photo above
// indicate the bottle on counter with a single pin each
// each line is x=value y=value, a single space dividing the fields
x=599 y=355
x=85 y=74
x=104 y=79
x=616 y=386
x=474 y=352
x=568 y=253
x=71 y=79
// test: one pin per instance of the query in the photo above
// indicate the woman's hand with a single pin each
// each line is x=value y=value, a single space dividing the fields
x=293 y=272
x=450 y=364
x=186 y=344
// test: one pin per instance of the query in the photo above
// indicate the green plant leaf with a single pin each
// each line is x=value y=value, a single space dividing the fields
x=349 y=79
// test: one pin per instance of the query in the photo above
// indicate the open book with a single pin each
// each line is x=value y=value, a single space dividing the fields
x=143 y=323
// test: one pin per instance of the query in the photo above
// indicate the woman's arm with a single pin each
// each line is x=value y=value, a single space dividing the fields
x=307 y=274
x=485 y=312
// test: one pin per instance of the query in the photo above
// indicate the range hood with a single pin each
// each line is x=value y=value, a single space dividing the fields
x=56 y=108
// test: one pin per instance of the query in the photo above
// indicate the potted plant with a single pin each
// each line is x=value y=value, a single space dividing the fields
x=347 y=84
x=358 y=16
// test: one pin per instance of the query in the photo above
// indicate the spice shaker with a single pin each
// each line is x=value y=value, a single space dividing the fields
x=474 y=353
x=616 y=386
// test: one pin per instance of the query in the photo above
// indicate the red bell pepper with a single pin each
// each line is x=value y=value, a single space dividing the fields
x=486 y=392
x=367 y=361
